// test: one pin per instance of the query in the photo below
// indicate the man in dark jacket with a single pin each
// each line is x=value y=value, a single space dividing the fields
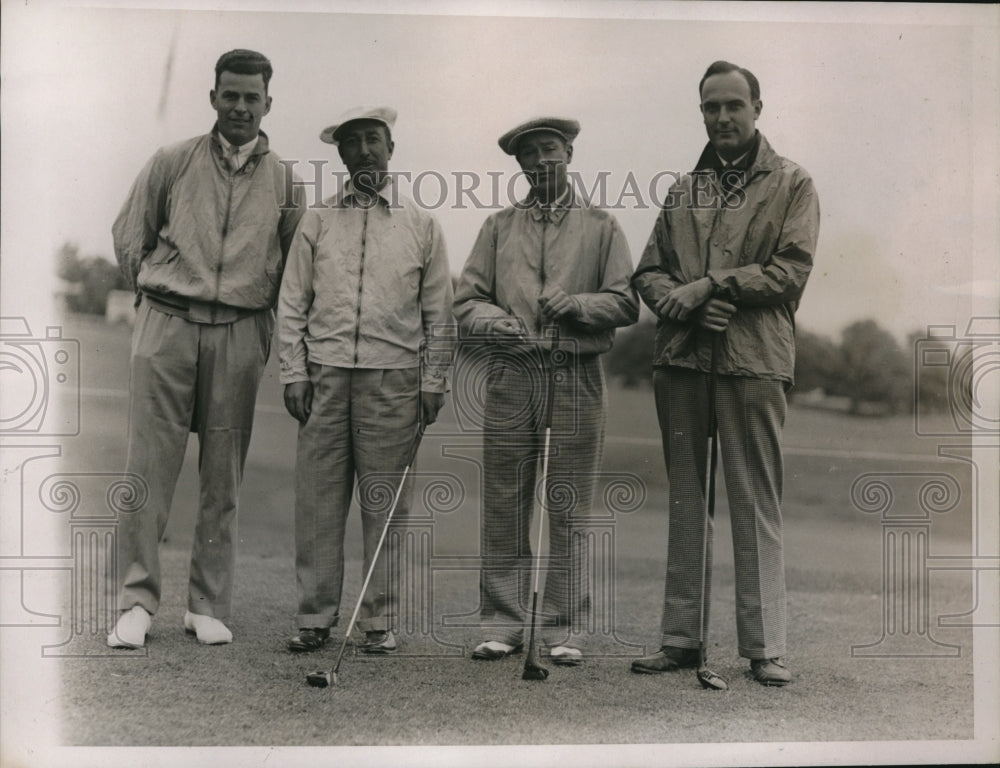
x=724 y=270
x=202 y=238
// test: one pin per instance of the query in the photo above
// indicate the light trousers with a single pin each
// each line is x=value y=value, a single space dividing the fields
x=362 y=426
x=189 y=377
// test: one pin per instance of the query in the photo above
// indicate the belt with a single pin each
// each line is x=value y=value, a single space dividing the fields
x=195 y=311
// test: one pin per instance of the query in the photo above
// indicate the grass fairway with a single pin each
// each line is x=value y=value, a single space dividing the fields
x=253 y=692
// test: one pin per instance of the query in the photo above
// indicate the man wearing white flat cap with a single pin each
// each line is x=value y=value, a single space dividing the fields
x=364 y=318
x=547 y=283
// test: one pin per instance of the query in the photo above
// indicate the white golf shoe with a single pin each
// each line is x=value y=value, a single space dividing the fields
x=131 y=629
x=210 y=631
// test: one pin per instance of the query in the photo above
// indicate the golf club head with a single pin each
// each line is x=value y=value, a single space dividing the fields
x=711 y=681
x=321 y=679
x=534 y=672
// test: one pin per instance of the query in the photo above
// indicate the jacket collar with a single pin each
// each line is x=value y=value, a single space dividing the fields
x=760 y=158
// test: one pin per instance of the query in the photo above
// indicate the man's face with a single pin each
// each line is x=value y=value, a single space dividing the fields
x=729 y=112
x=543 y=156
x=240 y=101
x=365 y=148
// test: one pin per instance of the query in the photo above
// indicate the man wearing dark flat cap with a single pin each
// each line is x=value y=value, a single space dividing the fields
x=724 y=270
x=364 y=334
x=202 y=238
x=545 y=286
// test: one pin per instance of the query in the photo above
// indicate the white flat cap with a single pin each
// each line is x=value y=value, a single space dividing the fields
x=384 y=115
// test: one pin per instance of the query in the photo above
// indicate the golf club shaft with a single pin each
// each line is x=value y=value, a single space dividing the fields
x=530 y=661
x=381 y=541
x=709 y=508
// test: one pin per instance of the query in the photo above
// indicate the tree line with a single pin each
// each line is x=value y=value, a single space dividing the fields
x=865 y=372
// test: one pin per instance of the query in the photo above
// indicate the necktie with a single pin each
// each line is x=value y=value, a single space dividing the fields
x=233 y=158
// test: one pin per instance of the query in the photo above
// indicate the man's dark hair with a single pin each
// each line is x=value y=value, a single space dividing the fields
x=244 y=62
x=722 y=67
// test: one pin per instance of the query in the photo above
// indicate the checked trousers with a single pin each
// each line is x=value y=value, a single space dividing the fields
x=751 y=415
x=513 y=439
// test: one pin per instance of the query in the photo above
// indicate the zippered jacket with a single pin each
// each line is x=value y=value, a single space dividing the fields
x=521 y=250
x=193 y=229
x=755 y=243
x=367 y=286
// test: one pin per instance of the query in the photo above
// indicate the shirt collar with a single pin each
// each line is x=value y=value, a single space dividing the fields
x=242 y=148
x=385 y=193
x=710 y=160
x=556 y=209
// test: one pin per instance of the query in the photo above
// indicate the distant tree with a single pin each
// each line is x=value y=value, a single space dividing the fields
x=873 y=368
x=817 y=361
x=631 y=357
x=93 y=278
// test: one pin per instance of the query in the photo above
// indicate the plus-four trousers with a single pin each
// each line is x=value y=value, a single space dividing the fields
x=751 y=414
x=189 y=377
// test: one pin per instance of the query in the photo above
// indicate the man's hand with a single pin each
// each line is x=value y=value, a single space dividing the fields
x=684 y=299
x=556 y=304
x=430 y=403
x=714 y=314
x=298 y=400
x=507 y=330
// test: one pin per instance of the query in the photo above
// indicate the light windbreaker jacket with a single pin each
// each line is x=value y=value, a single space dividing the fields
x=192 y=228
x=521 y=250
x=367 y=287
x=756 y=246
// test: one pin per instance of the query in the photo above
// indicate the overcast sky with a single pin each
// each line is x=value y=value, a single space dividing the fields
x=893 y=111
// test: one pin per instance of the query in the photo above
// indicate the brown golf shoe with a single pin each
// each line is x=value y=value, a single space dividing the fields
x=667 y=659
x=770 y=672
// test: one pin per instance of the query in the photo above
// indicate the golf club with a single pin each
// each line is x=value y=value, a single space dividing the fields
x=533 y=670
x=323 y=679
x=709 y=679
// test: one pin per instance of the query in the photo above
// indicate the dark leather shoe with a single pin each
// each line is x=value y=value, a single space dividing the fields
x=378 y=641
x=667 y=659
x=309 y=639
x=770 y=672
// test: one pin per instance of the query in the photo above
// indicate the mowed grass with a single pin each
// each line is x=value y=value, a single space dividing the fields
x=253 y=692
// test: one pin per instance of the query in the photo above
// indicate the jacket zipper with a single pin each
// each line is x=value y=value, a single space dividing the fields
x=361 y=281
x=225 y=231
x=541 y=269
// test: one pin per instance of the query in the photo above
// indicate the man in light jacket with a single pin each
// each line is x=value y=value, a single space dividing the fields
x=202 y=238
x=545 y=287
x=725 y=266
x=365 y=335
